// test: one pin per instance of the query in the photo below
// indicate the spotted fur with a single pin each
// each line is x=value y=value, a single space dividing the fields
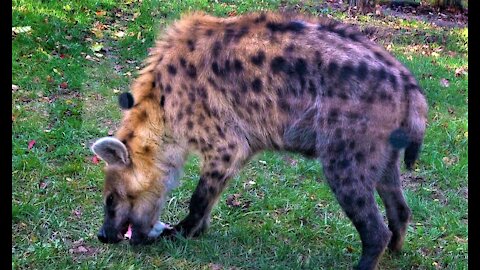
x=227 y=88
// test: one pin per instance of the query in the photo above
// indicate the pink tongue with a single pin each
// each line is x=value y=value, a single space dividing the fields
x=128 y=234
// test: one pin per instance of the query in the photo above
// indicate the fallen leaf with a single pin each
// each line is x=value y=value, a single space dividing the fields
x=15 y=87
x=62 y=56
x=96 y=47
x=100 y=13
x=64 y=85
x=444 y=82
x=116 y=91
x=117 y=67
x=119 y=34
x=99 y=55
x=95 y=159
x=232 y=200
x=97 y=32
x=31 y=144
x=77 y=212
x=21 y=29
x=460 y=72
x=49 y=79
x=79 y=249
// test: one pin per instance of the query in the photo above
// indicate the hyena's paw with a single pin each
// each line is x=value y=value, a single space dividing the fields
x=191 y=229
x=169 y=233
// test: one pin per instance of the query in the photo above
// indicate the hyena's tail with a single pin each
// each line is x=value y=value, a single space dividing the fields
x=410 y=135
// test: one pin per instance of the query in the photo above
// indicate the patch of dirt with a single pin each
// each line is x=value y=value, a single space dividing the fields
x=80 y=250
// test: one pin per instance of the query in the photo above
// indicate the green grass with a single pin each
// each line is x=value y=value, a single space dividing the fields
x=290 y=219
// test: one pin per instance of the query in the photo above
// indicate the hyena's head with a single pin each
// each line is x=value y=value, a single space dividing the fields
x=133 y=193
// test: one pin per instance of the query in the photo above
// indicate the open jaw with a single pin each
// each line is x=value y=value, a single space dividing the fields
x=127 y=231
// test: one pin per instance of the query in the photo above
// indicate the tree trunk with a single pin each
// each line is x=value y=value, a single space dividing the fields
x=449 y=4
x=362 y=5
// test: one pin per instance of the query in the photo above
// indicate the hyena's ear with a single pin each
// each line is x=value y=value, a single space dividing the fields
x=111 y=150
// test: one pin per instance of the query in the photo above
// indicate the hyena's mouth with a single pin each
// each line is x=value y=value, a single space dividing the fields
x=122 y=234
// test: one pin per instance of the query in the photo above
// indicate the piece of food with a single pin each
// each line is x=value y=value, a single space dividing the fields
x=158 y=229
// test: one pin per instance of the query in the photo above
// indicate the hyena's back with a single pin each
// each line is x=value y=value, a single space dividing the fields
x=282 y=83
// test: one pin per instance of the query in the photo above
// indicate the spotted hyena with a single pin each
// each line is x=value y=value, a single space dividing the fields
x=227 y=88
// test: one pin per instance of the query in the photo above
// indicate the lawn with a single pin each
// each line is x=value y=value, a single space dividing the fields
x=70 y=61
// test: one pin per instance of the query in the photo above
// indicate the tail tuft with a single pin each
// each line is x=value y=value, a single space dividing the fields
x=411 y=154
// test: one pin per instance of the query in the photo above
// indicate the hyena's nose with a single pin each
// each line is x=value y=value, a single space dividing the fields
x=102 y=236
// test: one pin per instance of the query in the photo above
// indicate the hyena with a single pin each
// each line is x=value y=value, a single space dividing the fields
x=227 y=88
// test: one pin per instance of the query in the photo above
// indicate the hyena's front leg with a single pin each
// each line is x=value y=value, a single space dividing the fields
x=218 y=167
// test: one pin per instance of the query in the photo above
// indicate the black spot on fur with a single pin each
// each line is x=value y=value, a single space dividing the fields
x=171 y=69
x=351 y=145
x=216 y=70
x=343 y=164
x=202 y=92
x=191 y=96
x=216 y=175
x=217 y=47
x=228 y=36
x=189 y=109
x=226 y=158
x=312 y=88
x=191 y=45
x=332 y=68
x=301 y=67
x=290 y=48
x=293 y=26
x=189 y=124
x=362 y=71
x=219 y=131
x=346 y=72
x=191 y=71
x=393 y=80
x=381 y=74
x=168 y=89
x=333 y=116
x=179 y=116
x=284 y=105
x=360 y=157
x=192 y=141
x=278 y=64
x=258 y=59
x=241 y=33
x=162 y=101
x=125 y=100
x=183 y=62
x=260 y=18
x=257 y=85
x=209 y=32
x=237 y=65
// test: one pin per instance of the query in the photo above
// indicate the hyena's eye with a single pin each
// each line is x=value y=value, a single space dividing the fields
x=109 y=201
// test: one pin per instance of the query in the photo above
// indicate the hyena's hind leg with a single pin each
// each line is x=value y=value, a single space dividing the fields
x=351 y=176
x=398 y=212
x=220 y=164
